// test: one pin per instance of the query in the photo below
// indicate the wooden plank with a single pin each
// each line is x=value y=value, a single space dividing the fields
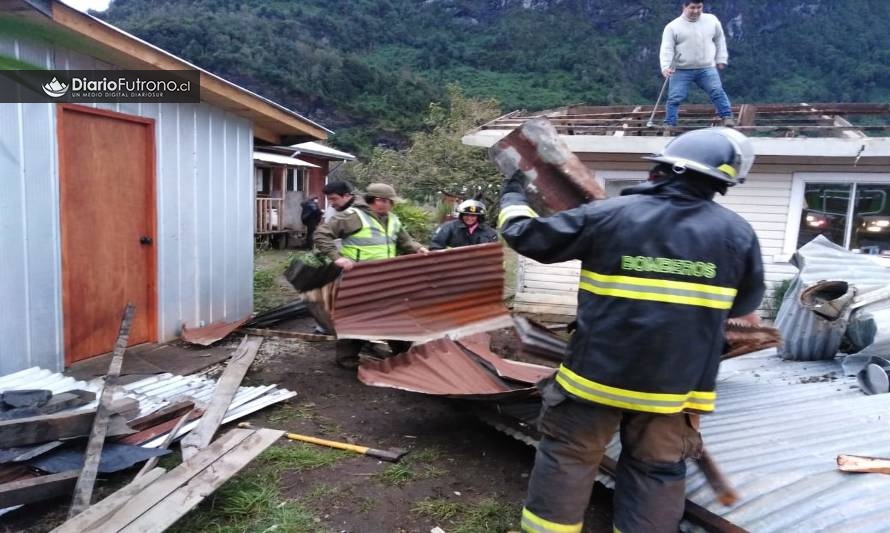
x=32 y=430
x=164 y=427
x=223 y=393
x=153 y=461
x=162 y=415
x=99 y=512
x=174 y=479
x=37 y=488
x=83 y=492
x=186 y=497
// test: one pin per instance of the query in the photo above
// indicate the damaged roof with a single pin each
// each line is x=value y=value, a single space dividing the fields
x=776 y=434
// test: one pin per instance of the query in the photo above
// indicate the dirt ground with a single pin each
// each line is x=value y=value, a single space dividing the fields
x=473 y=463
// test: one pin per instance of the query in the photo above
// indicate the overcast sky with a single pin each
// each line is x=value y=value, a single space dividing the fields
x=83 y=5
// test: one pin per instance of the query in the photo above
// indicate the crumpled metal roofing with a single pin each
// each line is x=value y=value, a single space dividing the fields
x=528 y=373
x=422 y=297
x=442 y=367
x=806 y=335
x=777 y=431
x=154 y=392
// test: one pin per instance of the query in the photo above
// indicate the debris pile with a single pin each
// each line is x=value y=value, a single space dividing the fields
x=57 y=434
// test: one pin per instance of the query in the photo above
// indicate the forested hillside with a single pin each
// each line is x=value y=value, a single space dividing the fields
x=370 y=68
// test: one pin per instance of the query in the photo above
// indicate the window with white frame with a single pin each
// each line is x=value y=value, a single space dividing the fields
x=615 y=181
x=852 y=211
x=296 y=178
x=263 y=179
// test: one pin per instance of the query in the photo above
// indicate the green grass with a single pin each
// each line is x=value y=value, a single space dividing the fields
x=488 y=516
x=484 y=516
x=397 y=475
x=248 y=502
x=438 y=508
x=299 y=457
x=252 y=501
x=424 y=455
x=320 y=492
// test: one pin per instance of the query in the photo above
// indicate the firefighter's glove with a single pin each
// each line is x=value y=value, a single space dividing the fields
x=513 y=184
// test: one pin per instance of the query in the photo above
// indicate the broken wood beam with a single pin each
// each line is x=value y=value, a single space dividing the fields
x=45 y=428
x=163 y=414
x=83 y=492
x=175 y=493
x=37 y=488
x=863 y=464
x=223 y=394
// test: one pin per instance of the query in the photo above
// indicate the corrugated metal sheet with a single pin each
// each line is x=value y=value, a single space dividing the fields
x=204 y=211
x=440 y=368
x=155 y=392
x=553 y=177
x=422 y=297
x=480 y=344
x=776 y=434
x=806 y=335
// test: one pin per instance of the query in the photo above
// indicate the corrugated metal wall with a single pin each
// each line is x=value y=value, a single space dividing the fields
x=204 y=210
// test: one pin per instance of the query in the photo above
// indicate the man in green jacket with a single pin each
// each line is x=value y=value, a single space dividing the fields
x=369 y=230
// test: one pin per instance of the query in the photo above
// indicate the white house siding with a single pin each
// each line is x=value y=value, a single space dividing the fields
x=763 y=201
x=204 y=238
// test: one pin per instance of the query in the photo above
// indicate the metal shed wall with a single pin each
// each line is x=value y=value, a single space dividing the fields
x=205 y=205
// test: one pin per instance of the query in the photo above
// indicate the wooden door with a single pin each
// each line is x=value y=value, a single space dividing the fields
x=107 y=193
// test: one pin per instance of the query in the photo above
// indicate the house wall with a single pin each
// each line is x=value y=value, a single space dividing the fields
x=763 y=200
x=204 y=201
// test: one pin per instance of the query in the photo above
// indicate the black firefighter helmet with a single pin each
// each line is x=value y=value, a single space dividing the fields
x=721 y=153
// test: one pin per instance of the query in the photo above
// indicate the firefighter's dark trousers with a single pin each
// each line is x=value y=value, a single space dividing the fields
x=651 y=477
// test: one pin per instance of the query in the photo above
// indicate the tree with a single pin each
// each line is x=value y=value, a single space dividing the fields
x=436 y=160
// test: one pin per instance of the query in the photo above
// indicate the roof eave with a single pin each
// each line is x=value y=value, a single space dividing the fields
x=272 y=122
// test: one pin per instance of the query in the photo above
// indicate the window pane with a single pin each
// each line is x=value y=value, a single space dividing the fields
x=871 y=232
x=301 y=179
x=614 y=187
x=824 y=212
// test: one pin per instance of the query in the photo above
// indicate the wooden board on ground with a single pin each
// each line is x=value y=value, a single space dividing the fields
x=83 y=492
x=163 y=502
x=100 y=511
x=37 y=489
x=223 y=394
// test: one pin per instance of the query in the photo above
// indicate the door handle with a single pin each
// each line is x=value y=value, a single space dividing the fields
x=145 y=239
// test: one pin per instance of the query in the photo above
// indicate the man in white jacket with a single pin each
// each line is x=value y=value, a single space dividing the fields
x=693 y=49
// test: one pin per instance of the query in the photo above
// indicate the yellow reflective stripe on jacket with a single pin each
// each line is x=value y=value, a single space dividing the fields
x=372 y=241
x=513 y=211
x=658 y=290
x=650 y=402
x=535 y=524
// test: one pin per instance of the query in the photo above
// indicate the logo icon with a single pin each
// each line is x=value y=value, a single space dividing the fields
x=55 y=88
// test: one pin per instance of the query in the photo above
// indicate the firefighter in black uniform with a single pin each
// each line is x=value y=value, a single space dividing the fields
x=661 y=270
x=469 y=228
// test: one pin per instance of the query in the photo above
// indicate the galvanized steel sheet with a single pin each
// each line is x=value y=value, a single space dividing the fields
x=806 y=335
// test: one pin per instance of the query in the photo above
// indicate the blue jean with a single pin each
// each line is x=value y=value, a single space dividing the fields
x=706 y=78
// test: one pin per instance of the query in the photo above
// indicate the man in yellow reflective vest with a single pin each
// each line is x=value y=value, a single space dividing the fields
x=369 y=230
x=661 y=270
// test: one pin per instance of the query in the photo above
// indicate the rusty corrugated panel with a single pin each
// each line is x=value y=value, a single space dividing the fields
x=480 y=345
x=422 y=297
x=209 y=334
x=553 y=176
x=439 y=367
